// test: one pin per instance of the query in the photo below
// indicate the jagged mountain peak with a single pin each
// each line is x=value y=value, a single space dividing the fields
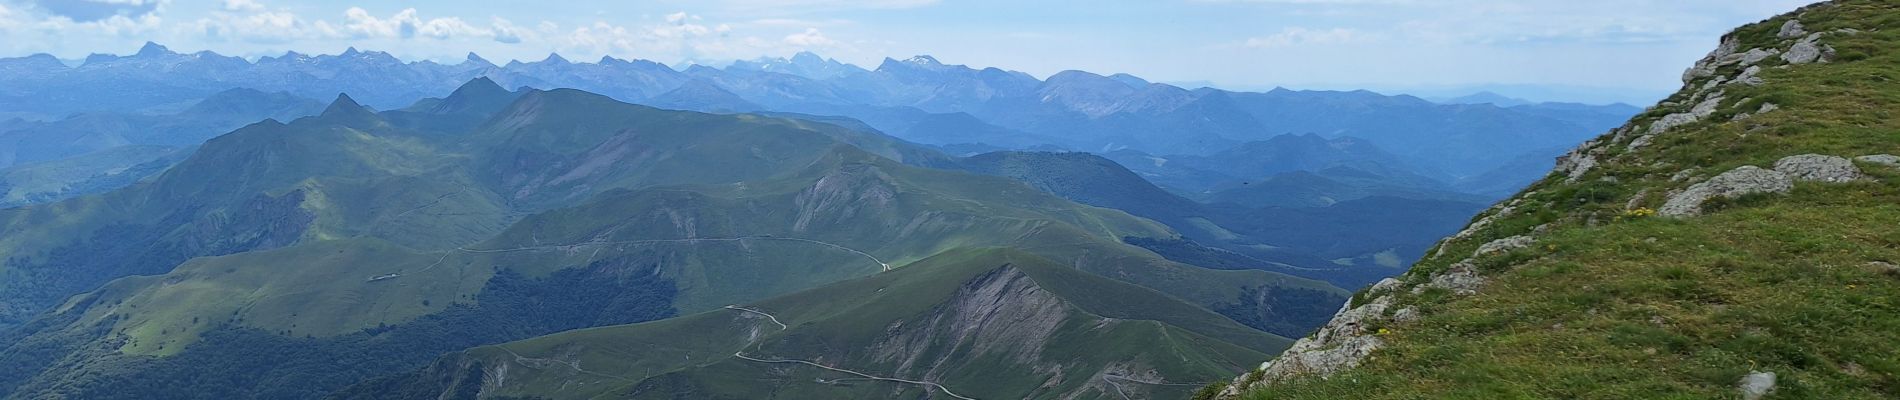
x=153 y=49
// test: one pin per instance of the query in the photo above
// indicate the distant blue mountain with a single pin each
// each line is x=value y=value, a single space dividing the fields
x=920 y=99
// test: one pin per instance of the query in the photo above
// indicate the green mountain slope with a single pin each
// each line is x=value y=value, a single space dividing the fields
x=977 y=323
x=1735 y=241
x=356 y=244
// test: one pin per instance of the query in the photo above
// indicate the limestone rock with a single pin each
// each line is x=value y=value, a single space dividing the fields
x=1578 y=161
x=1462 y=278
x=1697 y=113
x=1505 y=245
x=1757 y=385
x=1707 y=66
x=1385 y=285
x=1819 y=168
x=1792 y=29
x=1882 y=159
x=1405 y=315
x=1735 y=183
x=1339 y=345
x=1808 y=50
x=1756 y=55
x=1749 y=77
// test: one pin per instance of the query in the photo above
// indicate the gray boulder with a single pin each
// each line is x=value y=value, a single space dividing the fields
x=1756 y=55
x=1819 y=168
x=1792 y=29
x=1882 y=159
x=1505 y=245
x=1808 y=50
x=1750 y=77
x=1757 y=385
x=1735 y=183
x=1462 y=278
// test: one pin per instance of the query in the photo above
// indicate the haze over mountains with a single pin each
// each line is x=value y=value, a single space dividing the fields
x=195 y=226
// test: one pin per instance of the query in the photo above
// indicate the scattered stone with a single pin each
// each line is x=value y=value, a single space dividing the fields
x=1736 y=183
x=1884 y=267
x=1462 y=278
x=1756 y=55
x=1405 y=315
x=1748 y=77
x=1640 y=142
x=1697 y=113
x=1808 y=50
x=1792 y=29
x=1385 y=285
x=1577 y=162
x=1882 y=159
x=1757 y=385
x=1707 y=66
x=1767 y=108
x=1637 y=200
x=1505 y=245
x=1819 y=168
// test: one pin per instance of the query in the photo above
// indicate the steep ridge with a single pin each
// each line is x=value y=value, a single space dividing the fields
x=975 y=323
x=1734 y=241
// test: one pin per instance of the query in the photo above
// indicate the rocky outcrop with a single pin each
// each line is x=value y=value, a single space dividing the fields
x=1749 y=179
x=1808 y=50
x=1819 y=168
x=1792 y=29
x=1505 y=245
x=1739 y=182
x=1882 y=159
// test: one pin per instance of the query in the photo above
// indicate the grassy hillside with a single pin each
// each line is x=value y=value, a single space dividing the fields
x=1624 y=295
x=981 y=323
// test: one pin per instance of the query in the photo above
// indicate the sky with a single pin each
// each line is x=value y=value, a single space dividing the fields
x=1635 y=49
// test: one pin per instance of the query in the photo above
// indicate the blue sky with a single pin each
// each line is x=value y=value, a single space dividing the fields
x=1391 y=45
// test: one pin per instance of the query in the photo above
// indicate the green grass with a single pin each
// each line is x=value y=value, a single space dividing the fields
x=854 y=324
x=1610 y=306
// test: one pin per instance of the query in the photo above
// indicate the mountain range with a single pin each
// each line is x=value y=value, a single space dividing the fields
x=919 y=99
x=353 y=247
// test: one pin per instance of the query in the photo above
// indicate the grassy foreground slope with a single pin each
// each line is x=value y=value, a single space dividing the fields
x=983 y=323
x=1795 y=294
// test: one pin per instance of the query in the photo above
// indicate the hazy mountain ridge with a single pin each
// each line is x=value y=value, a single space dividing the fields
x=356 y=243
x=1074 y=109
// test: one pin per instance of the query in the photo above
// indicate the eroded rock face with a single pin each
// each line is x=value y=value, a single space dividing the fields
x=1819 y=168
x=1340 y=345
x=1735 y=183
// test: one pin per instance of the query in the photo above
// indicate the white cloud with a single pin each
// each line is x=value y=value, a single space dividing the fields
x=1297 y=36
x=406 y=24
x=262 y=26
x=811 y=38
x=243 y=6
x=773 y=8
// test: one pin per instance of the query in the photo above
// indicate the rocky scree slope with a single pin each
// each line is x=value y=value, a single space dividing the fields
x=1735 y=240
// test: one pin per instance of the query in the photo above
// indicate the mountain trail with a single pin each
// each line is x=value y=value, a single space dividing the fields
x=867 y=376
